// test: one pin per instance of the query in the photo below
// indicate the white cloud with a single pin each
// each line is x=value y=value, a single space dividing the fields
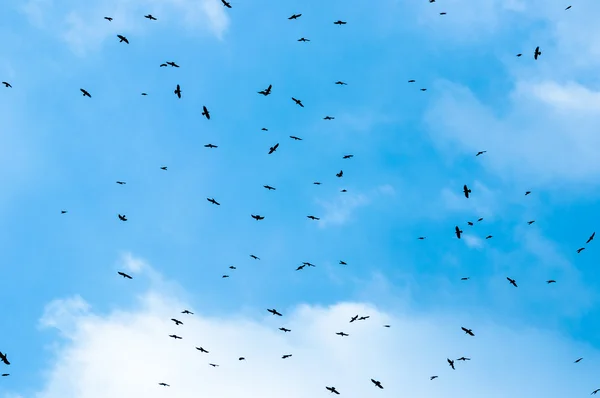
x=473 y=241
x=127 y=352
x=338 y=211
x=62 y=314
x=82 y=26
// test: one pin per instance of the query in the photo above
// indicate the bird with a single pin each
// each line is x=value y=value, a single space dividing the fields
x=341 y=83
x=537 y=53
x=172 y=64
x=468 y=331
x=254 y=257
x=316 y=183
x=257 y=217
x=527 y=193
x=354 y=318
x=591 y=238
x=5 y=374
x=386 y=326
x=122 y=217
x=214 y=365
x=423 y=89
x=463 y=359
x=568 y=7
x=264 y=129
x=205 y=113
x=4 y=358
x=150 y=17
x=300 y=267
x=480 y=219
x=338 y=22
x=163 y=65
x=298 y=102
x=232 y=267
x=164 y=384
x=164 y=168
x=480 y=153
x=422 y=238
x=124 y=275
x=451 y=363
x=109 y=19
x=412 y=81
x=210 y=146
x=295 y=16
x=286 y=356
x=333 y=390
x=328 y=118
x=177 y=91
x=121 y=182
x=362 y=318
x=85 y=93
x=201 y=350
x=469 y=223
x=578 y=360
x=342 y=334
x=273 y=148
x=342 y=263
x=518 y=55
x=442 y=13
x=175 y=337
x=266 y=91
x=285 y=330
x=122 y=39
x=489 y=237
x=187 y=312
x=466 y=191
x=432 y=377
x=144 y=94
x=340 y=174
x=580 y=250
x=377 y=383
x=466 y=278
x=347 y=156
x=549 y=281
x=274 y=312
x=512 y=281
x=270 y=188
x=530 y=222
x=295 y=138
x=63 y=212
x=226 y=4
x=343 y=190
x=225 y=276
x=313 y=218
x=457 y=231
x=241 y=359
x=177 y=322
x=303 y=39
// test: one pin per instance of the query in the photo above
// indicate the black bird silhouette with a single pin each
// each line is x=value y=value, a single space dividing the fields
x=338 y=22
x=317 y=183
x=124 y=275
x=225 y=276
x=285 y=330
x=451 y=363
x=270 y=188
x=340 y=174
x=163 y=65
x=530 y=222
x=480 y=219
x=423 y=89
x=286 y=356
x=177 y=322
x=122 y=39
x=342 y=334
x=313 y=218
x=205 y=113
x=328 y=118
x=210 y=146
x=411 y=81
x=164 y=384
x=5 y=374
x=257 y=217
x=266 y=91
x=201 y=349
x=377 y=383
x=303 y=39
x=232 y=267
x=348 y=156
x=108 y=19
x=150 y=17
x=457 y=231
x=241 y=359
x=466 y=278
x=580 y=250
x=442 y=13
x=226 y=4
x=422 y=237
x=578 y=360
x=121 y=182
x=164 y=168
x=537 y=52
x=549 y=281
x=489 y=237
x=295 y=16
x=274 y=311
x=63 y=212
x=273 y=148
x=469 y=223
x=254 y=257
x=480 y=153
x=567 y=8
x=591 y=238
x=85 y=93
x=386 y=326
x=122 y=217
x=355 y=317
x=362 y=318
x=175 y=337
x=466 y=191
x=527 y=193
x=333 y=390
x=178 y=91
x=468 y=331
x=341 y=83
x=518 y=55
x=173 y=64
x=295 y=138
x=512 y=281
x=214 y=365
x=3 y=358
x=298 y=102
x=433 y=377
x=343 y=262
x=187 y=312
x=300 y=267
x=595 y=391
x=463 y=359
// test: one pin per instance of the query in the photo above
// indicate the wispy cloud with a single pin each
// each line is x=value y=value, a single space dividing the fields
x=339 y=210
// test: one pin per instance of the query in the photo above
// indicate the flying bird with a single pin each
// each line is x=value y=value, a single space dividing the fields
x=108 y=19
x=226 y=4
x=432 y=377
x=328 y=118
x=175 y=337
x=347 y=156
x=164 y=384
x=122 y=39
x=124 y=275
x=377 y=383
x=466 y=191
x=173 y=64
x=122 y=217
x=303 y=39
x=298 y=102
x=178 y=91
x=164 y=168
x=205 y=113
x=333 y=390
x=214 y=365
x=549 y=281
x=286 y=356
x=411 y=81
x=121 y=182
x=451 y=363
x=187 y=312
x=530 y=222
x=527 y=193
x=270 y=188
x=85 y=93
x=254 y=257
x=266 y=91
x=591 y=238
x=340 y=174
x=457 y=231
x=295 y=138
x=274 y=312
x=341 y=83
x=342 y=263
x=338 y=22
x=568 y=7
x=295 y=16
x=150 y=17
x=201 y=350
x=580 y=250
x=578 y=360
x=177 y=322
x=537 y=52
x=512 y=281
x=480 y=153
x=3 y=358
x=285 y=330
x=210 y=146
x=355 y=317
x=463 y=359
x=468 y=331
x=257 y=217
x=342 y=334
x=313 y=218
x=273 y=148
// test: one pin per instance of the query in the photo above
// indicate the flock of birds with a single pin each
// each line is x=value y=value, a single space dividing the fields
x=266 y=92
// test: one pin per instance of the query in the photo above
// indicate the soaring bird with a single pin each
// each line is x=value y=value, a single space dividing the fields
x=122 y=39
x=451 y=363
x=178 y=91
x=354 y=318
x=480 y=153
x=257 y=217
x=298 y=102
x=109 y=19
x=303 y=39
x=578 y=360
x=377 y=383
x=205 y=113
x=3 y=358
x=347 y=156
x=285 y=330
x=466 y=278
x=341 y=83
x=124 y=275
x=362 y=318
x=333 y=390
x=580 y=250
x=121 y=182
x=463 y=359
x=295 y=16
x=175 y=337
x=201 y=350
x=85 y=93
x=173 y=64
x=273 y=148
x=122 y=217
x=328 y=118
x=537 y=52
x=295 y=138
x=164 y=168
x=466 y=191
x=187 y=312
x=270 y=188
x=266 y=91
x=210 y=146
x=313 y=218
x=274 y=311
x=164 y=384
x=150 y=17
x=254 y=257
x=512 y=281
x=468 y=331
x=432 y=377
x=338 y=22
x=340 y=174
x=286 y=356
x=549 y=281
x=343 y=262
x=177 y=322
x=214 y=365
x=226 y=4
x=591 y=238
x=527 y=193
x=457 y=231
x=530 y=222
x=342 y=334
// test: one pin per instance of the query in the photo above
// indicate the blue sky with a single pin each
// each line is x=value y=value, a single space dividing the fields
x=413 y=151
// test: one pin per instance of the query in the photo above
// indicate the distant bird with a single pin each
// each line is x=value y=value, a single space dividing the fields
x=264 y=129
x=257 y=217
x=214 y=365
x=187 y=312
x=210 y=146
x=466 y=278
x=489 y=237
x=241 y=359
x=173 y=64
x=457 y=231
x=338 y=22
x=591 y=238
x=295 y=138
x=451 y=363
x=108 y=19
x=274 y=312
x=333 y=390
x=377 y=383
x=342 y=263
x=480 y=219
x=164 y=168
x=328 y=118
x=163 y=65
x=347 y=156
x=411 y=81
x=266 y=91
x=342 y=334
x=313 y=218
x=530 y=222
x=254 y=257
x=124 y=275
x=85 y=93
x=300 y=267
x=422 y=237
x=512 y=281
x=122 y=39
x=537 y=52
x=442 y=13
x=595 y=391
x=225 y=276
x=343 y=190
x=295 y=16
x=362 y=318
x=432 y=377
x=121 y=182
x=578 y=360
x=286 y=356
x=150 y=17
x=469 y=223
x=386 y=326
x=63 y=212
x=480 y=153
x=178 y=91
x=4 y=358
x=164 y=384
x=463 y=359
x=5 y=374
x=341 y=83
x=549 y=281
x=144 y=94
x=466 y=191
x=205 y=113
x=518 y=55
x=201 y=350
x=177 y=322
x=232 y=267
x=303 y=39
x=468 y=331
x=270 y=188
x=340 y=174
x=527 y=193
x=317 y=183
x=285 y=330
x=122 y=217
x=298 y=102
x=273 y=148
x=354 y=318
x=423 y=89
x=226 y=4
x=567 y=8
x=175 y=337
x=580 y=250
